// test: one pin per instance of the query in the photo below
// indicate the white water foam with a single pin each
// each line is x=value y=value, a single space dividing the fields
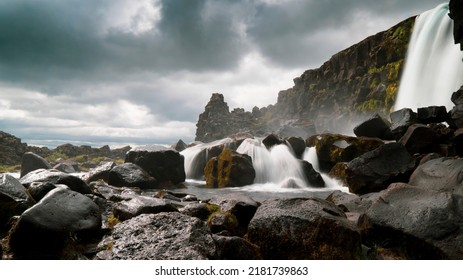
x=433 y=67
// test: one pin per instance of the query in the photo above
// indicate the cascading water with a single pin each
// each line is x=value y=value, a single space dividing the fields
x=433 y=67
x=277 y=169
x=277 y=165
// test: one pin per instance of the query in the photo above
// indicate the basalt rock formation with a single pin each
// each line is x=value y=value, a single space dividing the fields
x=456 y=13
x=360 y=79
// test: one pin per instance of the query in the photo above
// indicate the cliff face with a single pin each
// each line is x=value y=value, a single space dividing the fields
x=456 y=13
x=358 y=80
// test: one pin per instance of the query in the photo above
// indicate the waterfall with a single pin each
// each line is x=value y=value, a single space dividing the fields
x=277 y=165
x=433 y=66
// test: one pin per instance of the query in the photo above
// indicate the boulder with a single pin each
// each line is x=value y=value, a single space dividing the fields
x=229 y=169
x=334 y=148
x=419 y=138
x=376 y=126
x=224 y=223
x=31 y=162
x=56 y=177
x=272 y=140
x=235 y=248
x=44 y=230
x=39 y=189
x=375 y=170
x=455 y=118
x=440 y=174
x=14 y=198
x=164 y=164
x=401 y=120
x=420 y=223
x=132 y=176
x=432 y=114
x=179 y=146
x=134 y=205
x=349 y=202
x=101 y=172
x=458 y=141
x=297 y=145
x=65 y=167
x=199 y=210
x=11 y=149
x=313 y=177
x=303 y=228
x=163 y=236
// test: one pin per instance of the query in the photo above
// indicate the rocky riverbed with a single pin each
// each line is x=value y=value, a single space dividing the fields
x=405 y=200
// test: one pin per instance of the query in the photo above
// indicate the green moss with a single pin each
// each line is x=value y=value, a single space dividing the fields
x=391 y=94
x=4 y=168
x=371 y=105
x=55 y=156
x=374 y=70
x=393 y=70
x=112 y=221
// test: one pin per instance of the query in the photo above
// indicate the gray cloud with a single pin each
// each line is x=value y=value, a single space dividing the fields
x=141 y=71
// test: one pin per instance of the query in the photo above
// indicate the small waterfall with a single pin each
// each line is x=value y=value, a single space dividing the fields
x=277 y=165
x=196 y=157
x=433 y=67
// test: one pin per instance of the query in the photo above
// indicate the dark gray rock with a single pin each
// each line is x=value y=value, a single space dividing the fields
x=164 y=164
x=101 y=172
x=297 y=144
x=201 y=211
x=441 y=174
x=43 y=231
x=56 y=177
x=31 y=162
x=179 y=146
x=235 y=248
x=134 y=205
x=421 y=223
x=401 y=120
x=14 y=198
x=432 y=114
x=272 y=140
x=419 y=138
x=303 y=228
x=314 y=178
x=376 y=126
x=132 y=176
x=65 y=167
x=375 y=170
x=39 y=189
x=164 y=236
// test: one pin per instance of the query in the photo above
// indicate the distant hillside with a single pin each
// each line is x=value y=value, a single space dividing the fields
x=358 y=80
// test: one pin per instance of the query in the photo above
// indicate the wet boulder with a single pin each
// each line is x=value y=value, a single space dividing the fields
x=31 y=162
x=432 y=114
x=420 y=223
x=14 y=198
x=375 y=170
x=303 y=228
x=101 y=172
x=132 y=176
x=419 y=138
x=229 y=169
x=440 y=174
x=376 y=126
x=199 y=210
x=44 y=230
x=65 y=167
x=235 y=248
x=54 y=176
x=272 y=140
x=134 y=205
x=164 y=164
x=455 y=118
x=297 y=145
x=163 y=236
x=314 y=178
x=334 y=148
x=39 y=189
x=401 y=120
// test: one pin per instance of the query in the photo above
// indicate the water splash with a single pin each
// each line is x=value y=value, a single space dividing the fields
x=433 y=67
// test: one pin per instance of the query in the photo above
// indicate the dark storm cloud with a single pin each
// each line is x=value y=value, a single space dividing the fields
x=288 y=34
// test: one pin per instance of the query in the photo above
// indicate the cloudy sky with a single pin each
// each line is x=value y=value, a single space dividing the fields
x=141 y=71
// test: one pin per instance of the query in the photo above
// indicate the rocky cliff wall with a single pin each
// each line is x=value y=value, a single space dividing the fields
x=358 y=80
x=456 y=13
